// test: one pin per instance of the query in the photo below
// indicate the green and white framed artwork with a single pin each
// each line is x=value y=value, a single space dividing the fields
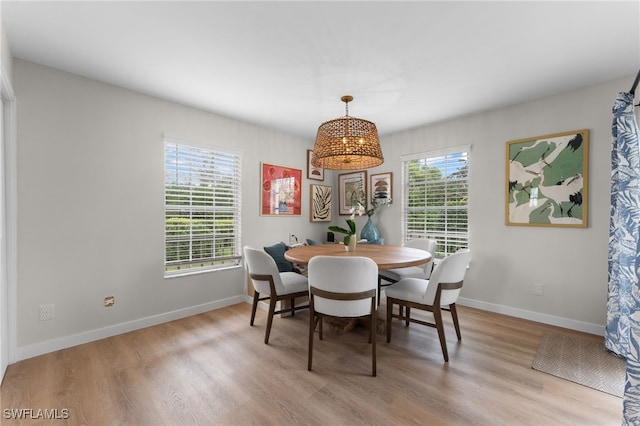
x=547 y=180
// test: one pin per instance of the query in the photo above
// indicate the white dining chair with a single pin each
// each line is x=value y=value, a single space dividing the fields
x=433 y=295
x=423 y=271
x=273 y=285
x=342 y=287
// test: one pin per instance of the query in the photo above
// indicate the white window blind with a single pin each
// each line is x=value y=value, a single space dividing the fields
x=202 y=207
x=435 y=197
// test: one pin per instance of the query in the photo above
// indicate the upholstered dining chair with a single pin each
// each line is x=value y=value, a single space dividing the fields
x=439 y=292
x=423 y=271
x=342 y=287
x=273 y=285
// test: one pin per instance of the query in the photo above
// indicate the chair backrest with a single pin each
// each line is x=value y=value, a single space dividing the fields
x=339 y=274
x=259 y=262
x=451 y=269
x=426 y=245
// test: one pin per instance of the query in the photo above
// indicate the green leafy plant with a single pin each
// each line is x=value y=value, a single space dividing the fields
x=351 y=222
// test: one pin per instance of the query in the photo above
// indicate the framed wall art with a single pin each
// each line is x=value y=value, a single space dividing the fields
x=352 y=189
x=281 y=190
x=315 y=173
x=321 y=199
x=380 y=188
x=547 y=180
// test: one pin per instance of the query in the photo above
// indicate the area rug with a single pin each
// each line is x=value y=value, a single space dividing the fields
x=581 y=361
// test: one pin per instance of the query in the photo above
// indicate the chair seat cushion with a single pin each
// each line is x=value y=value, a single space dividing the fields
x=294 y=282
x=400 y=273
x=277 y=252
x=410 y=289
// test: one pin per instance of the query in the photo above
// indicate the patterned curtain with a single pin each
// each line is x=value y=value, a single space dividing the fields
x=622 y=334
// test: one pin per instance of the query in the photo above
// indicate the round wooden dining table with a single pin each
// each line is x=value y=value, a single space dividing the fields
x=385 y=256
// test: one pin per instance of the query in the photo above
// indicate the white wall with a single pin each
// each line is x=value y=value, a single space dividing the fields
x=90 y=207
x=6 y=58
x=507 y=260
x=7 y=145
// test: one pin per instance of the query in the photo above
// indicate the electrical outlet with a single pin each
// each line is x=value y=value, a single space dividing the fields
x=538 y=289
x=109 y=301
x=47 y=312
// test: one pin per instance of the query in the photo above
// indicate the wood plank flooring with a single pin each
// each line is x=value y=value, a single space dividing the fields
x=214 y=369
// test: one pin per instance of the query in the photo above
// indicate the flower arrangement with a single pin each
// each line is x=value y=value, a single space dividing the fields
x=351 y=222
x=377 y=202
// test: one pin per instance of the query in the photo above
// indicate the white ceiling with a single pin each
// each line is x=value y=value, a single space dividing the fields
x=285 y=65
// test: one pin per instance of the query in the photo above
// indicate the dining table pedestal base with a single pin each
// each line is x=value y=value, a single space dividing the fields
x=345 y=325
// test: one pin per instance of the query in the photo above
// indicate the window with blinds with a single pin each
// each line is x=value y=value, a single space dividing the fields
x=435 y=197
x=202 y=208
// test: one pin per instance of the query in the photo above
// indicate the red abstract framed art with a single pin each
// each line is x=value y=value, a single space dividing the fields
x=281 y=193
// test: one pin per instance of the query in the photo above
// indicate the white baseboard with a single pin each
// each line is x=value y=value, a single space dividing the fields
x=534 y=316
x=513 y=312
x=30 y=351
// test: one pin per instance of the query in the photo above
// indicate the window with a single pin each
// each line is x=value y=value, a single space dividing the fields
x=202 y=207
x=435 y=197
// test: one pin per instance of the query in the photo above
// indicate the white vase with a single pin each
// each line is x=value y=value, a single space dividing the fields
x=352 y=244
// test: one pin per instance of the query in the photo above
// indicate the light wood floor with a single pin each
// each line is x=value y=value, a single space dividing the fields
x=214 y=368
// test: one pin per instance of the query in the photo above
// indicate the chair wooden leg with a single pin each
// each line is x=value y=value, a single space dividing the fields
x=272 y=309
x=373 y=338
x=373 y=324
x=321 y=322
x=454 y=315
x=293 y=306
x=389 y=315
x=256 y=295
x=312 y=327
x=379 y=288
x=406 y=319
x=437 y=314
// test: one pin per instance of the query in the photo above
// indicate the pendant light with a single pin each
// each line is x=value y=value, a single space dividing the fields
x=347 y=143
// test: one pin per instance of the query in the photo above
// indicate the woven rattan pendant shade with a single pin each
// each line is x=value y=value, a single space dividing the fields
x=347 y=143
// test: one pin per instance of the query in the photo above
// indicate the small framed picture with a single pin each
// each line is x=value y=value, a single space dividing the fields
x=352 y=189
x=380 y=188
x=314 y=173
x=320 y=203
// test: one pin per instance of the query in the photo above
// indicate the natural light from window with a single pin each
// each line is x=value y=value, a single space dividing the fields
x=435 y=198
x=202 y=208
